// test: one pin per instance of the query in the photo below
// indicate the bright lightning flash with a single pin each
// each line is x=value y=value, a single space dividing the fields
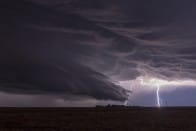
x=159 y=83
x=158 y=98
x=154 y=83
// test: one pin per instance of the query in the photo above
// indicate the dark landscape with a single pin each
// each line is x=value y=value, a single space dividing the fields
x=98 y=119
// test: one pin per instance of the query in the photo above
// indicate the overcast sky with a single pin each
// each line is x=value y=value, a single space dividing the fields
x=88 y=52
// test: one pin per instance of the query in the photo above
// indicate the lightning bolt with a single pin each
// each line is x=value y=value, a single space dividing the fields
x=157 y=84
x=126 y=103
x=158 y=97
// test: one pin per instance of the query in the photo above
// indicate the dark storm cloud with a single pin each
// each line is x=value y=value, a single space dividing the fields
x=74 y=46
x=155 y=37
x=41 y=51
x=164 y=33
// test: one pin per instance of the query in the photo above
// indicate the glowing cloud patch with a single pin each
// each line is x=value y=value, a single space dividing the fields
x=153 y=82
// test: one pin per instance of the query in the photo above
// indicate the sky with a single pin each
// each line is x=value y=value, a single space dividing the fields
x=97 y=52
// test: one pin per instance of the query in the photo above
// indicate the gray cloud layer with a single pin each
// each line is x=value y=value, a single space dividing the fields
x=70 y=46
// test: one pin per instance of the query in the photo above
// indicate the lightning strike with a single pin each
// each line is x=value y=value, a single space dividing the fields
x=158 y=98
x=156 y=84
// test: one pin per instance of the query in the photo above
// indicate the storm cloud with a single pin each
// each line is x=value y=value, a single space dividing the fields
x=83 y=47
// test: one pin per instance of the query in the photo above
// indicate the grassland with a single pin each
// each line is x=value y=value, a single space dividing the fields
x=98 y=119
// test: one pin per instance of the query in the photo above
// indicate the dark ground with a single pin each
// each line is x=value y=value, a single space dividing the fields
x=98 y=119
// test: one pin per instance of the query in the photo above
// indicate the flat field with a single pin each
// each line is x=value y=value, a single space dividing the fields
x=98 y=119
